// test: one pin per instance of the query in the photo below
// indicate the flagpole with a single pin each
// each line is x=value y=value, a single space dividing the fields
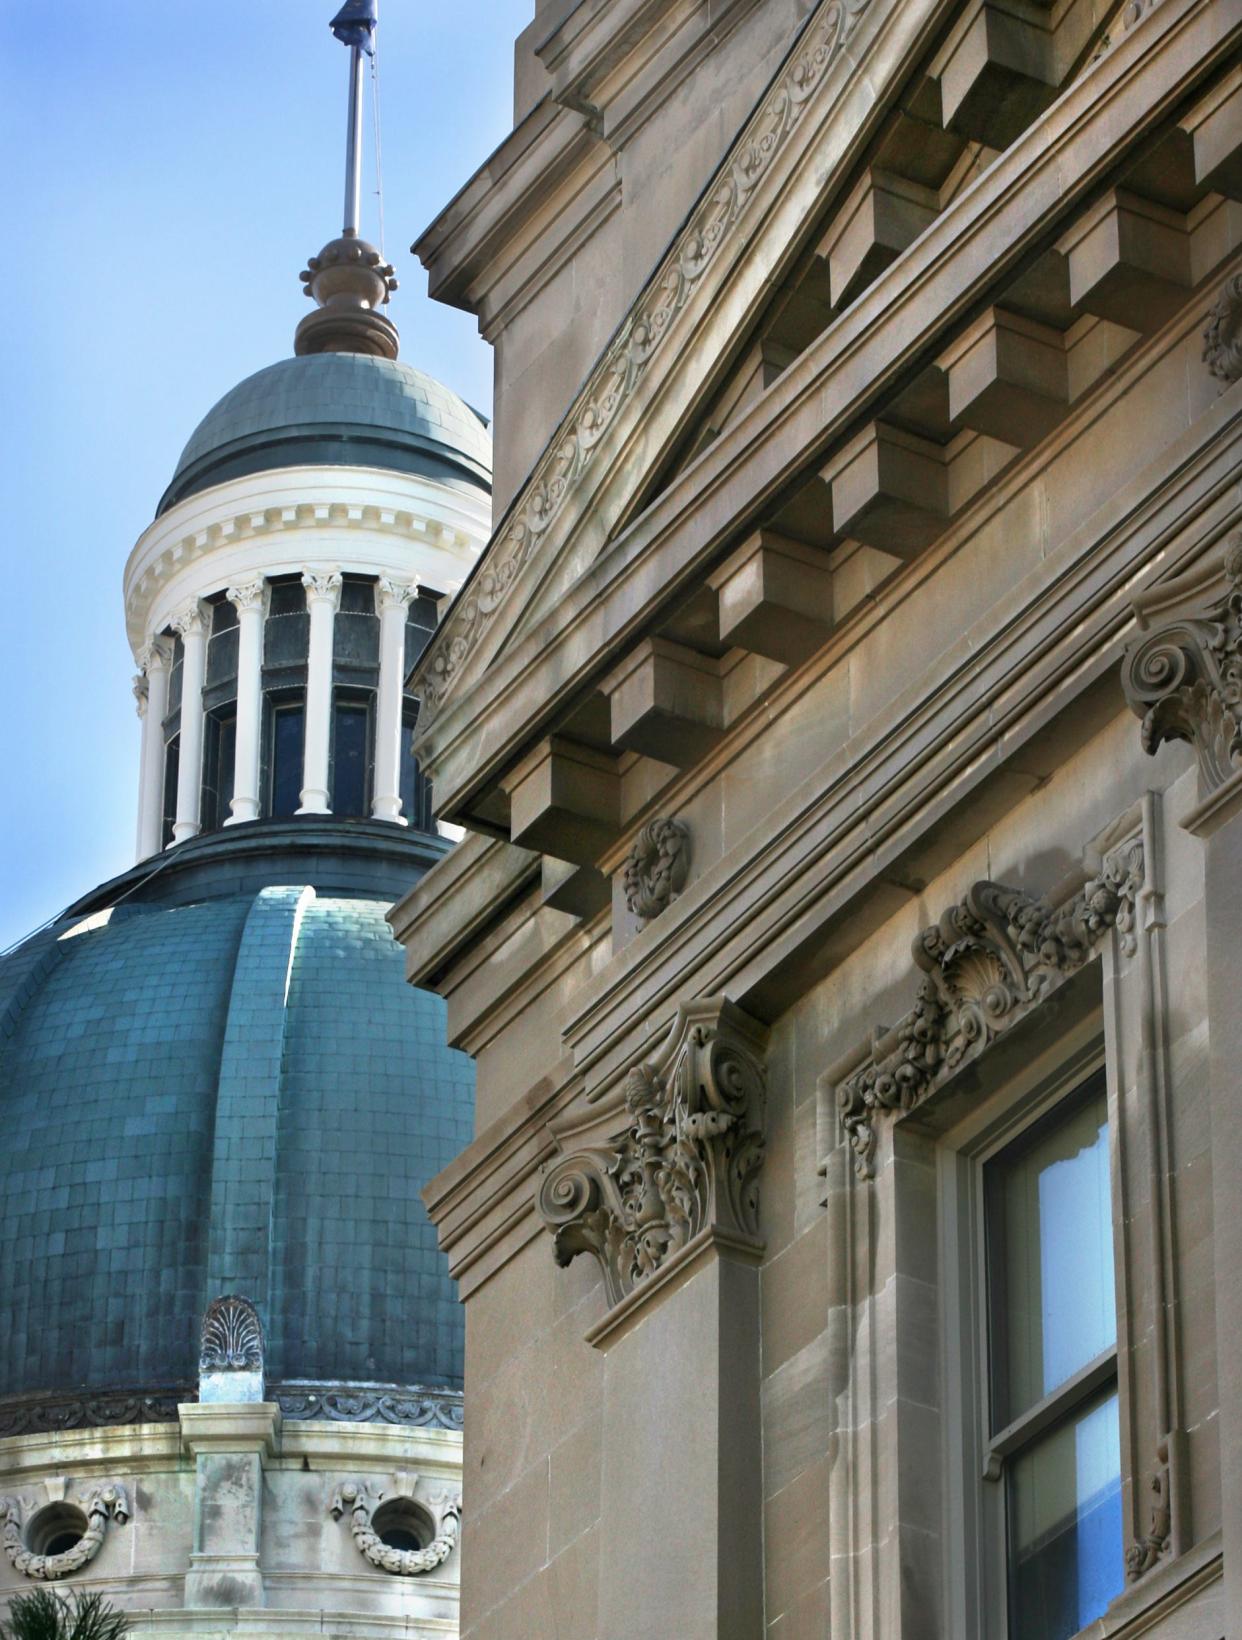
x=353 y=145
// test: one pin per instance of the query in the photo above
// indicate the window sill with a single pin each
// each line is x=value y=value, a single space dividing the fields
x=1160 y=1592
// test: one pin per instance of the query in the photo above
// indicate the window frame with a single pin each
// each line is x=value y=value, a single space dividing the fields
x=977 y=1549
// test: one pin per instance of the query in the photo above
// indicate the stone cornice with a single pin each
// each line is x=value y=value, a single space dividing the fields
x=530 y=526
x=307 y=502
x=1041 y=178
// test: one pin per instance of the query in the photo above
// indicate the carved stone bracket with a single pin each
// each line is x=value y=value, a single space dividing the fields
x=683 y=1163
x=1222 y=336
x=362 y=1501
x=103 y=1504
x=656 y=868
x=1184 y=678
x=987 y=962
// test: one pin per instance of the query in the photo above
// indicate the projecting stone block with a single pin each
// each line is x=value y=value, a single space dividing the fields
x=1215 y=129
x=579 y=890
x=882 y=215
x=564 y=801
x=666 y=702
x=889 y=490
x=1129 y=261
x=1007 y=378
x=996 y=71
x=775 y=598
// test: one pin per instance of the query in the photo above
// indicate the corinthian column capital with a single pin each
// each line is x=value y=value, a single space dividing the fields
x=390 y=594
x=188 y=620
x=247 y=597
x=677 y=1168
x=1183 y=676
x=323 y=585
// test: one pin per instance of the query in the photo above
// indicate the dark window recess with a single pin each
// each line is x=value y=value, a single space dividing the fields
x=172 y=763
x=415 y=787
x=222 y=644
x=288 y=734
x=219 y=763
x=223 y=616
x=287 y=596
x=350 y=722
x=420 y=623
x=174 y=676
x=357 y=595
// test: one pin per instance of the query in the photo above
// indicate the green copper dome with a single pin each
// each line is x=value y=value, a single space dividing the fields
x=236 y=1094
x=336 y=409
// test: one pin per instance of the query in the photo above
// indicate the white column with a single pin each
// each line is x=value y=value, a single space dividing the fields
x=250 y=603
x=192 y=628
x=155 y=660
x=393 y=598
x=323 y=598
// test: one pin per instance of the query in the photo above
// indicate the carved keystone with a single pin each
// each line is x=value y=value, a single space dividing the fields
x=679 y=1170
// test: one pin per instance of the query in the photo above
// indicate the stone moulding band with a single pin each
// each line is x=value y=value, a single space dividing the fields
x=103 y=1504
x=987 y=963
x=682 y=1164
x=616 y=377
x=298 y=1402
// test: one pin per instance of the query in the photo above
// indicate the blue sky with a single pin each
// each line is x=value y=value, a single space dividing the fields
x=169 y=169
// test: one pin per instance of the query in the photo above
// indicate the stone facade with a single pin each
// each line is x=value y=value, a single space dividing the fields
x=856 y=533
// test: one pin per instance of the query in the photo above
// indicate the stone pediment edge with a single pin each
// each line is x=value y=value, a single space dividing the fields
x=617 y=577
x=734 y=926
x=540 y=521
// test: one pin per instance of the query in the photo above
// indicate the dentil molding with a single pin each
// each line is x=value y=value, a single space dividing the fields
x=682 y=1164
x=987 y=963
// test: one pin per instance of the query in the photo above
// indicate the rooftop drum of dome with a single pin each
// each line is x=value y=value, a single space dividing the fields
x=336 y=409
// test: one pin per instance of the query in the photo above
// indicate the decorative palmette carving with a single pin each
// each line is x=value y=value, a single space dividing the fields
x=1185 y=679
x=360 y=1501
x=615 y=379
x=232 y=1337
x=1222 y=336
x=987 y=962
x=656 y=869
x=105 y=1503
x=686 y=1161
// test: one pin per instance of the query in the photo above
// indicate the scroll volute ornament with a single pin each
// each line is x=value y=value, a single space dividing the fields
x=682 y=1165
x=1184 y=678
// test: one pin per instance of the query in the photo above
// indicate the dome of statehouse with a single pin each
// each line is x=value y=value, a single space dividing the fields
x=336 y=409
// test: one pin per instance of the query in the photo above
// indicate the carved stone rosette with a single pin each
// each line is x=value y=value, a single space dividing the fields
x=1222 y=336
x=684 y=1162
x=987 y=962
x=360 y=1501
x=656 y=868
x=1184 y=679
x=103 y=1504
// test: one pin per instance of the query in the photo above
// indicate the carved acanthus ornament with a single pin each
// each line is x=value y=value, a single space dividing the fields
x=987 y=962
x=188 y=620
x=656 y=868
x=105 y=1503
x=1222 y=336
x=360 y=1500
x=1185 y=678
x=392 y=594
x=683 y=1163
x=323 y=585
x=652 y=320
x=249 y=596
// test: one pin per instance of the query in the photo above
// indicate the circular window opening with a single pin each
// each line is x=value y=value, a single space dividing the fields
x=56 y=1529
x=401 y=1524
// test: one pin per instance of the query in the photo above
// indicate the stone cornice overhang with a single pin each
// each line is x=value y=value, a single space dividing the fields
x=1012 y=212
x=907 y=794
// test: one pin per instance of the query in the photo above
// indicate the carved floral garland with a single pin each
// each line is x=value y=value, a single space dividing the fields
x=987 y=961
x=361 y=1502
x=615 y=379
x=109 y=1502
x=655 y=872
x=687 y=1160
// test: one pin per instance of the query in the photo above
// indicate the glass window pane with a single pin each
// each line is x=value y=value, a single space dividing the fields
x=349 y=759
x=287 y=727
x=1050 y=1256
x=1065 y=1555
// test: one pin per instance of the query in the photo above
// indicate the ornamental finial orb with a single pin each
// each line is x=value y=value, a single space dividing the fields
x=349 y=281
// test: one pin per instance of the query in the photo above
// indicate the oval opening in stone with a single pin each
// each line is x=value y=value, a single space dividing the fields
x=401 y=1524
x=56 y=1529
